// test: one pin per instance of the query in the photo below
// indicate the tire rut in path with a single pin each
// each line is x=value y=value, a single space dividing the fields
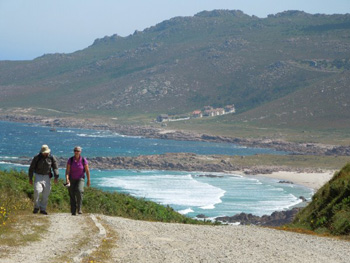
x=61 y=240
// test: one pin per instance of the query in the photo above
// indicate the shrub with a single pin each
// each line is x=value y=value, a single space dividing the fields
x=329 y=210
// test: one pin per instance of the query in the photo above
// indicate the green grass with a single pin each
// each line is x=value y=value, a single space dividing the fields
x=223 y=126
x=290 y=161
x=329 y=211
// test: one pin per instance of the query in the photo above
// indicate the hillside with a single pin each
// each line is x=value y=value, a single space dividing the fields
x=329 y=211
x=268 y=67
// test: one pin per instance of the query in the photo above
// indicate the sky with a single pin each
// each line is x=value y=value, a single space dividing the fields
x=32 y=28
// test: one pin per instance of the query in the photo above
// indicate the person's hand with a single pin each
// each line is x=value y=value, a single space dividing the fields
x=88 y=183
x=56 y=180
x=30 y=182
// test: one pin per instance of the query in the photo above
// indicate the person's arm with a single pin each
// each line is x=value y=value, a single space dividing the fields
x=67 y=173
x=31 y=169
x=87 y=171
x=55 y=169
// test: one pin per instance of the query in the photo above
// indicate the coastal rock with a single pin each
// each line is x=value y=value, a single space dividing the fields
x=201 y=216
x=277 y=218
x=285 y=182
x=339 y=151
x=303 y=198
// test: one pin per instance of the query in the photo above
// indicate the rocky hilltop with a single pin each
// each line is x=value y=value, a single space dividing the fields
x=294 y=64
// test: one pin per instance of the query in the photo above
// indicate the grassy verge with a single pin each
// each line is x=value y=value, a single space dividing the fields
x=21 y=228
x=18 y=226
x=103 y=253
x=95 y=201
x=291 y=161
x=222 y=126
x=329 y=211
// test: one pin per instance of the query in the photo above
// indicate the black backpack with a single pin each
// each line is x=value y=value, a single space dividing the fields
x=40 y=156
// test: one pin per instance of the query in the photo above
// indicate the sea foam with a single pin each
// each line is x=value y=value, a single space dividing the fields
x=185 y=211
x=181 y=190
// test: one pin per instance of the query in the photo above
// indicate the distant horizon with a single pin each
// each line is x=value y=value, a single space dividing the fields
x=35 y=28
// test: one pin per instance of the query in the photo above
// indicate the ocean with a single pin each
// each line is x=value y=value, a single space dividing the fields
x=190 y=193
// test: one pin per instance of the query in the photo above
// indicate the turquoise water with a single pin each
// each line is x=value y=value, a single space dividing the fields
x=187 y=192
x=192 y=194
x=18 y=139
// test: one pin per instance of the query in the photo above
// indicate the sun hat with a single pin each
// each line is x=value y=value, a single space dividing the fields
x=45 y=149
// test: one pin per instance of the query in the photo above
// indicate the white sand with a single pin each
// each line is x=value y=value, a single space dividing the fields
x=311 y=180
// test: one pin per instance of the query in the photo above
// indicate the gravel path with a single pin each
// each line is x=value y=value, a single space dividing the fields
x=160 y=242
x=60 y=241
x=140 y=241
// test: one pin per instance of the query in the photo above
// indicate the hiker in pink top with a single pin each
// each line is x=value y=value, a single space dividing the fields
x=77 y=166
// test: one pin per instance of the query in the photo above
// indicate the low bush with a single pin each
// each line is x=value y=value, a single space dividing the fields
x=329 y=211
x=13 y=196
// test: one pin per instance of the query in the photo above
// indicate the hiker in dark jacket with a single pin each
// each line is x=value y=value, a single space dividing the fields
x=77 y=166
x=42 y=166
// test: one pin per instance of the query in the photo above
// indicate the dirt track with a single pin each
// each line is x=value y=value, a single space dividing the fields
x=72 y=239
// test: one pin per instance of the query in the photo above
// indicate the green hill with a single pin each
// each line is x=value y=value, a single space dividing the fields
x=329 y=211
x=267 y=67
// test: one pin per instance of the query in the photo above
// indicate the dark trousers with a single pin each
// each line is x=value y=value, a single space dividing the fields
x=76 y=192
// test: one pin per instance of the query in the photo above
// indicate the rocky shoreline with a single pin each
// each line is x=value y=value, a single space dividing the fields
x=153 y=132
x=277 y=218
x=176 y=162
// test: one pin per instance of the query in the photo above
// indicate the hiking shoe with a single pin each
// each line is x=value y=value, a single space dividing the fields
x=36 y=210
x=80 y=212
x=43 y=212
x=74 y=214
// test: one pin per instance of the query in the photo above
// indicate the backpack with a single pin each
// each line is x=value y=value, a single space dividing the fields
x=40 y=156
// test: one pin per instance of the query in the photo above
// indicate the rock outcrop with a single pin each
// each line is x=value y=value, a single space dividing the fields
x=277 y=218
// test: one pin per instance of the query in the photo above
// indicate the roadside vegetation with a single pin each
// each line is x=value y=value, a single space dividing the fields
x=329 y=211
x=17 y=226
x=16 y=197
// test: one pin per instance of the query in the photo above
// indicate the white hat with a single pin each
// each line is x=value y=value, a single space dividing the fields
x=45 y=149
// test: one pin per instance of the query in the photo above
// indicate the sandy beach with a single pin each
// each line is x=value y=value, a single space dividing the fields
x=312 y=180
